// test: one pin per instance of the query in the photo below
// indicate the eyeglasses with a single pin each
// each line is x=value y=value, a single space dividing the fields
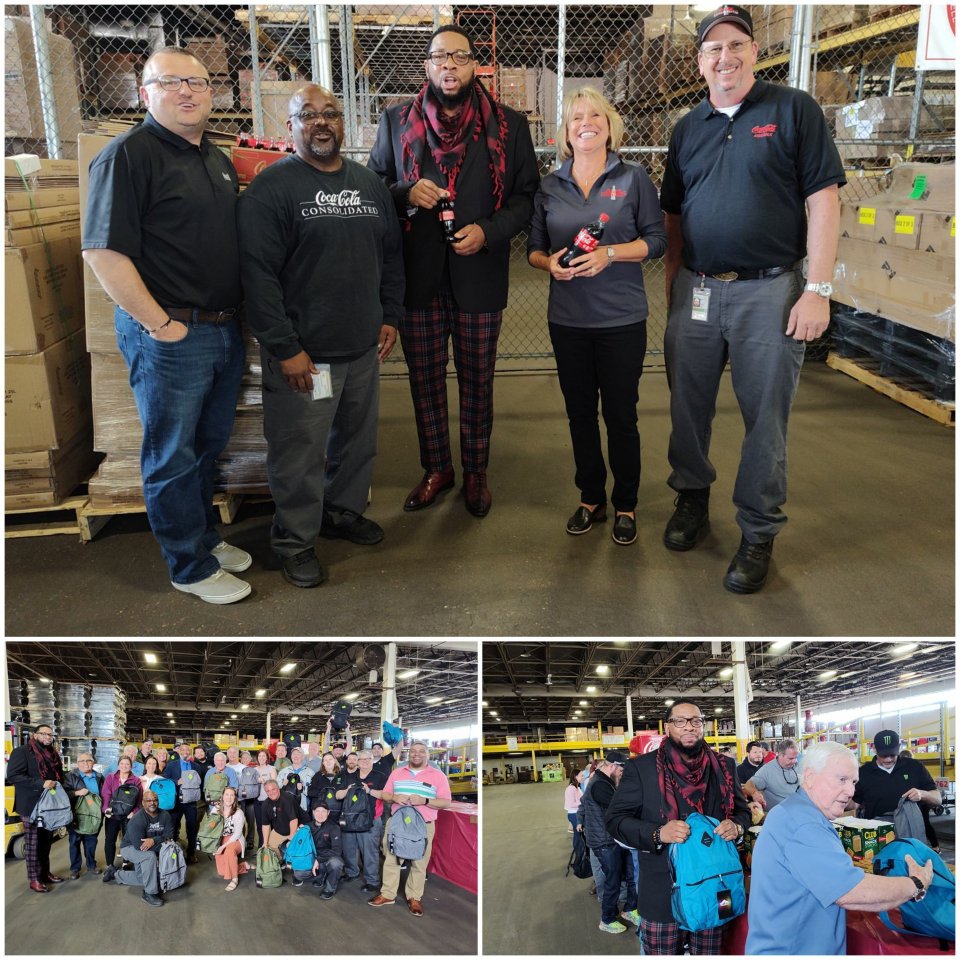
x=312 y=116
x=695 y=722
x=170 y=84
x=734 y=47
x=439 y=57
x=44 y=733
x=84 y=761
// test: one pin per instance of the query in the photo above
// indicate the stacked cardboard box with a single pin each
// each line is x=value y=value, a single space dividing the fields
x=245 y=82
x=48 y=440
x=887 y=118
x=117 y=430
x=772 y=27
x=23 y=110
x=896 y=252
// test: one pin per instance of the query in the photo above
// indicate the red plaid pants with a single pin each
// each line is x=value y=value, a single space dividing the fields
x=666 y=939
x=425 y=335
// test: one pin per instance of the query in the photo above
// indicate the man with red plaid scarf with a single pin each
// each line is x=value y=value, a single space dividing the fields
x=455 y=142
x=657 y=791
x=33 y=768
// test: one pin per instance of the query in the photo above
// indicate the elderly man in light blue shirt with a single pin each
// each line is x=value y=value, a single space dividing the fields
x=803 y=881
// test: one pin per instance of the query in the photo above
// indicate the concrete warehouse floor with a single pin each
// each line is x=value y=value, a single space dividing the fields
x=540 y=911
x=869 y=549
x=86 y=916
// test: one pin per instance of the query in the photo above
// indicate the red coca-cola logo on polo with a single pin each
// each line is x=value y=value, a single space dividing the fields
x=767 y=130
x=613 y=193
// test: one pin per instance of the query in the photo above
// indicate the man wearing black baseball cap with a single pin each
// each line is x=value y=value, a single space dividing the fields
x=750 y=189
x=888 y=777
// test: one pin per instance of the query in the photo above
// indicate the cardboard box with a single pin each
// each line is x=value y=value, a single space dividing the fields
x=863 y=839
x=275 y=96
x=23 y=112
x=221 y=89
x=43 y=297
x=249 y=161
x=43 y=215
x=48 y=169
x=40 y=199
x=25 y=236
x=118 y=86
x=211 y=52
x=46 y=477
x=245 y=83
x=47 y=396
x=938 y=233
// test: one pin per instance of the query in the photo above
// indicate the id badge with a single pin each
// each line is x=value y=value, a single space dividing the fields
x=701 y=304
x=322 y=384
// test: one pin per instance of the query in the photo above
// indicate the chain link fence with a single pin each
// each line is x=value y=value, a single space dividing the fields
x=71 y=68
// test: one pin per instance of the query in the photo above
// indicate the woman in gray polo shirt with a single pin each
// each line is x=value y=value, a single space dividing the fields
x=598 y=307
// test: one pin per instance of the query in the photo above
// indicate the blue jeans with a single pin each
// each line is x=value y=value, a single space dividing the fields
x=186 y=394
x=617 y=864
x=89 y=844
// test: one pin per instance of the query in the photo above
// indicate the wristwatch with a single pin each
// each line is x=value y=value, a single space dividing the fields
x=921 y=889
x=610 y=254
x=823 y=289
x=740 y=831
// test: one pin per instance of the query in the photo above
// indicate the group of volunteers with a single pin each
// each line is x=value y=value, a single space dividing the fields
x=328 y=259
x=323 y=814
x=647 y=819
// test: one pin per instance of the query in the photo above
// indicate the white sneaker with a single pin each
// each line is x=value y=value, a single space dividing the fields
x=221 y=587
x=231 y=559
x=615 y=927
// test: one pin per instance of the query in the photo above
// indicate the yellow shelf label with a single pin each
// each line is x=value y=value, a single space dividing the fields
x=868 y=216
x=953 y=226
x=904 y=224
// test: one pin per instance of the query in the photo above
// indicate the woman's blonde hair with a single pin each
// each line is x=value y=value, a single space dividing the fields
x=595 y=99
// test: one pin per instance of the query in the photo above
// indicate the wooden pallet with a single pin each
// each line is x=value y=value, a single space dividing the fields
x=46 y=520
x=94 y=518
x=944 y=413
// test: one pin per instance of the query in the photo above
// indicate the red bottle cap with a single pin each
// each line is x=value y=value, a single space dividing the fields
x=603 y=218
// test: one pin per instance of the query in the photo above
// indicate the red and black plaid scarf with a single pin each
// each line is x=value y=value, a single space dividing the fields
x=424 y=125
x=688 y=777
x=48 y=760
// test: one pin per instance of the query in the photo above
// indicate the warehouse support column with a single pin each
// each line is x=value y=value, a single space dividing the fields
x=269 y=715
x=388 y=709
x=255 y=64
x=799 y=722
x=742 y=695
x=629 y=719
x=320 y=55
x=533 y=756
x=45 y=75
x=561 y=66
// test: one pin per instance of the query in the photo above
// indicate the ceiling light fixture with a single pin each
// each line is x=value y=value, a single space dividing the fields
x=287 y=667
x=668 y=703
x=244 y=706
x=260 y=693
x=150 y=657
x=583 y=703
x=726 y=672
x=778 y=646
x=826 y=675
x=407 y=674
x=169 y=714
x=161 y=688
x=591 y=689
x=902 y=648
x=603 y=669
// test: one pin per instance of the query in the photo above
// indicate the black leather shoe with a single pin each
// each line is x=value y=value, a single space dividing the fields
x=109 y=874
x=428 y=489
x=476 y=494
x=689 y=524
x=747 y=572
x=369 y=888
x=359 y=530
x=584 y=519
x=624 y=529
x=151 y=899
x=303 y=569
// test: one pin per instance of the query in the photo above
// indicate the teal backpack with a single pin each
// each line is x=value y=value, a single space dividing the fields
x=935 y=914
x=166 y=791
x=707 y=876
x=301 y=852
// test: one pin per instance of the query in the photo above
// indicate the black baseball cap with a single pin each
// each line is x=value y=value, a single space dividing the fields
x=617 y=756
x=886 y=743
x=725 y=14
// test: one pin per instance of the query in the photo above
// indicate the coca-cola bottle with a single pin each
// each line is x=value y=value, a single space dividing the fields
x=586 y=240
x=445 y=215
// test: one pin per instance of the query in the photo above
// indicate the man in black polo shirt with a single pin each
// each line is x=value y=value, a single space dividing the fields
x=160 y=234
x=752 y=762
x=323 y=274
x=888 y=777
x=280 y=814
x=750 y=188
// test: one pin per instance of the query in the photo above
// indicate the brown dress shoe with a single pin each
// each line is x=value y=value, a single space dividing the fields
x=38 y=886
x=379 y=901
x=476 y=493
x=415 y=907
x=50 y=878
x=427 y=490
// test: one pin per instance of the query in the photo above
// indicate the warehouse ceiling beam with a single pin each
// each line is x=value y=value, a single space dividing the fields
x=264 y=678
x=135 y=663
x=567 y=692
x=591 y=648
x=203 y=674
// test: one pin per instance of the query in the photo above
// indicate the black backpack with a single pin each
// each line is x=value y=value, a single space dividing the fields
x=340 y=714
x=291 y=785
x=356 y=814
x=292 y=740
x=124 y=799
x=579 y=861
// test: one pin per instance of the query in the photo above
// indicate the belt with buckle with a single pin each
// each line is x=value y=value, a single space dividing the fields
x=729 y=275
x=188 y=314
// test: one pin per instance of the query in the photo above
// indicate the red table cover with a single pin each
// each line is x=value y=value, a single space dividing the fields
x=454 y=854
x=866 y=936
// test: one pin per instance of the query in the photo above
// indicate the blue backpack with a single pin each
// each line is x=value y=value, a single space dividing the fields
x=707 y=877
x=392 y=734
x=935 y=914
x=166 y=791
x=301 y=852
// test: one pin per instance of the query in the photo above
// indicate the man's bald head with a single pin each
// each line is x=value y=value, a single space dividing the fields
x=310 y=93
